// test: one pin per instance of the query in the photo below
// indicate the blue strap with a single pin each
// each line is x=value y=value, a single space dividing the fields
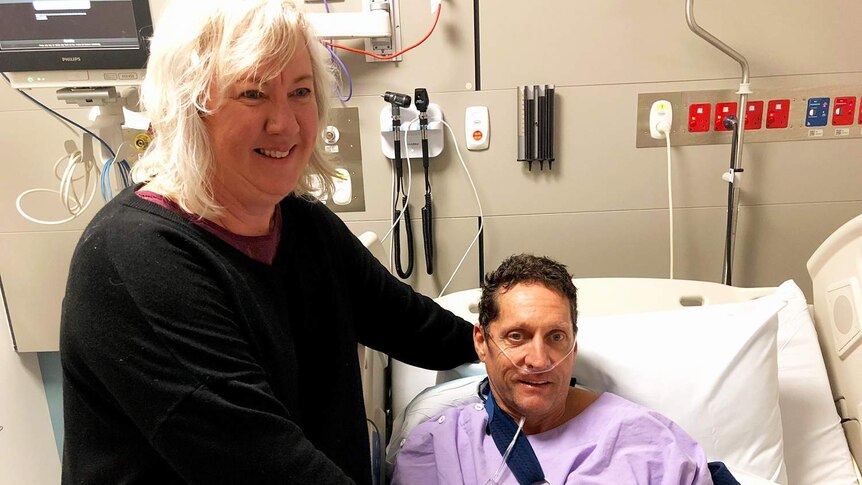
x=720 y=474
x=522 y=460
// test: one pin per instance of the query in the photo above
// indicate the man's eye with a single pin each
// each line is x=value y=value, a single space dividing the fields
x=515 y=336
x=252 y=94
x=558 y=337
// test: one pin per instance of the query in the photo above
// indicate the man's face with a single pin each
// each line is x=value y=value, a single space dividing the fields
x=534 y=329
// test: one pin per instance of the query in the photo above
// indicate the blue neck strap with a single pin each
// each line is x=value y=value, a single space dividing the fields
x=522 y=460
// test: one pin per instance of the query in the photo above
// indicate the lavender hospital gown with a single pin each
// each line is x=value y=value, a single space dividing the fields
x=613 y=441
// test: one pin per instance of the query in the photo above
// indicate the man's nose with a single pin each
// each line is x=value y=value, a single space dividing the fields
x=537 y=355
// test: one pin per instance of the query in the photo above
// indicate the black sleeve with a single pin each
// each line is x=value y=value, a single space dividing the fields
x=150 y=341
x=393 y=318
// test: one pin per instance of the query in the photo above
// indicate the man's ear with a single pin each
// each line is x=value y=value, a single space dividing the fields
x=479 y=341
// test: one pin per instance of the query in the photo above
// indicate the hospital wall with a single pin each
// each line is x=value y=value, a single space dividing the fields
x=602 y=209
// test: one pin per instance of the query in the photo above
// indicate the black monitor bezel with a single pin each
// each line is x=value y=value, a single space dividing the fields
x=89 y=59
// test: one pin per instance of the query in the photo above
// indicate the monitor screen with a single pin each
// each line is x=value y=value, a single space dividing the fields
x=91 y=41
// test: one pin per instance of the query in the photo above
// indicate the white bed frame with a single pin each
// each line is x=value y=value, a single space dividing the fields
x=836 y=270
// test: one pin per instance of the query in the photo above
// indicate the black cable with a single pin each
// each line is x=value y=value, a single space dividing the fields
x=477 y=66
x=421 y=101
x=396 y=235
x=398 y=101
x=481 y=252
x=732 y=123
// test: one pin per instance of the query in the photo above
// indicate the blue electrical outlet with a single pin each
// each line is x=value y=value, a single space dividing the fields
x=817 y=113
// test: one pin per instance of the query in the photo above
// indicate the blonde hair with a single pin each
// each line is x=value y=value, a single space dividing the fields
x=200 y=49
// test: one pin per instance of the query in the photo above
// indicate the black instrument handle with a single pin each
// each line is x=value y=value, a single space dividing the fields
x=427 y=234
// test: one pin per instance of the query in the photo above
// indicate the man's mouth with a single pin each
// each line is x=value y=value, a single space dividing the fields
x=271 y=153
x=535 y=384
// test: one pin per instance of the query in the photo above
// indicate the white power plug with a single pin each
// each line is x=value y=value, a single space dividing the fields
x=660 y=119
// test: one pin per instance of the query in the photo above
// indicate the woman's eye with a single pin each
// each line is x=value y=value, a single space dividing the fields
x=252 y=94
x=302 y=92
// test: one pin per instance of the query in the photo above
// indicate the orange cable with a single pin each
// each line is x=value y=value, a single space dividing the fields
x=391 y=56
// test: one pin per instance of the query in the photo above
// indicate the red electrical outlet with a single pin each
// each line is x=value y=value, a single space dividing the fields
x=844 y=110
x=777 y=113
x=753 y=115
x=698 y=117
x=722 y=111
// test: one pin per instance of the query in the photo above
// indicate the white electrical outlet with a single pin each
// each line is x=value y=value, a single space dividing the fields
x=660 y=119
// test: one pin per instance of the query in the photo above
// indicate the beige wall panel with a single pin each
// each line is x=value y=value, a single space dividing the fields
x=34 y=141
x=34 y=267
x=452 y=236
x=618 y=41
x=774 y=242
x=802 y=171
x=620 y=243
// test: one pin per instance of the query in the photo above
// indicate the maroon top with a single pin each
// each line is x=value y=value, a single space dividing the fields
x=258 y=248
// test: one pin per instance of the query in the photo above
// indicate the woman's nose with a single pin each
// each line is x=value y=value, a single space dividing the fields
x=282 y=120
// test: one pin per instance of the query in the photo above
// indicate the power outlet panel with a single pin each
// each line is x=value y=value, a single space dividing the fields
x=777 y=114
x=817 y=113
x=699 y=117
x=722 y=111
x=753 y=115
x=795 y=114
x=844 y=111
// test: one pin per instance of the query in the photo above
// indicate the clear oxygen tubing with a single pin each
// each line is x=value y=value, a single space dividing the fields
x=496 y=477
x=736 y=154
x=527 y=370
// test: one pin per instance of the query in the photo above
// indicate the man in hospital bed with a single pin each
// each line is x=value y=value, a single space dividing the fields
x=551 y=431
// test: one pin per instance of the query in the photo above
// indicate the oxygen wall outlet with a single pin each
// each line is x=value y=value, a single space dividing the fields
x=660 y=119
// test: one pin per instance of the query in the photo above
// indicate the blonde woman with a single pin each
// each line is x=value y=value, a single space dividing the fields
x=213 y=310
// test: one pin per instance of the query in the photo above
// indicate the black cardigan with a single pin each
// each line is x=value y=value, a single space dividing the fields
x=185 y=361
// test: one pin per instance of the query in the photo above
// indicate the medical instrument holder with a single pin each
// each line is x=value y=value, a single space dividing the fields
x=411 y=143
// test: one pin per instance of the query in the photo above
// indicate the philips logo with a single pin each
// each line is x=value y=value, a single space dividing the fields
x=70 y=59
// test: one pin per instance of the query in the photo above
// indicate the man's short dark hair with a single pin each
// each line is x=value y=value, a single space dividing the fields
x=528 y=269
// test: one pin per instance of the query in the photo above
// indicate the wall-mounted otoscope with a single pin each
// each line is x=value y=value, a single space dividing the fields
x=420 y=99
x=398 y=101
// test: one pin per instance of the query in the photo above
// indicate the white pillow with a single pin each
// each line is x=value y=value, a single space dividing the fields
x=712 y=370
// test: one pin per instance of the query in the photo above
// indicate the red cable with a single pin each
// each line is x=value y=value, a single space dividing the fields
x=391 y=56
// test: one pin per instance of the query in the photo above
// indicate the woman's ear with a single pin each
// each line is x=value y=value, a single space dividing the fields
x=479 y=341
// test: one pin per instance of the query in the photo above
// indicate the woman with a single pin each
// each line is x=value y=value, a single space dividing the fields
x=212 y=312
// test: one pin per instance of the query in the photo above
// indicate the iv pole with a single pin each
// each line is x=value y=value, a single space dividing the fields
x=738 y=134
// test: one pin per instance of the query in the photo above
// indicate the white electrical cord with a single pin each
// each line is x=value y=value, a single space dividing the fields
x=69 y=196
x=669 y=199
x=478 y=203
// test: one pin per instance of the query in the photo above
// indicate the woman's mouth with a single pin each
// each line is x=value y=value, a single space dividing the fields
x=272 y=153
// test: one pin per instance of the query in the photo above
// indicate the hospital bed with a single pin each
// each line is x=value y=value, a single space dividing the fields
x=741 y=369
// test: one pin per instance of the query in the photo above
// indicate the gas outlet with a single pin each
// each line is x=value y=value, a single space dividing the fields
x=722 y=111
